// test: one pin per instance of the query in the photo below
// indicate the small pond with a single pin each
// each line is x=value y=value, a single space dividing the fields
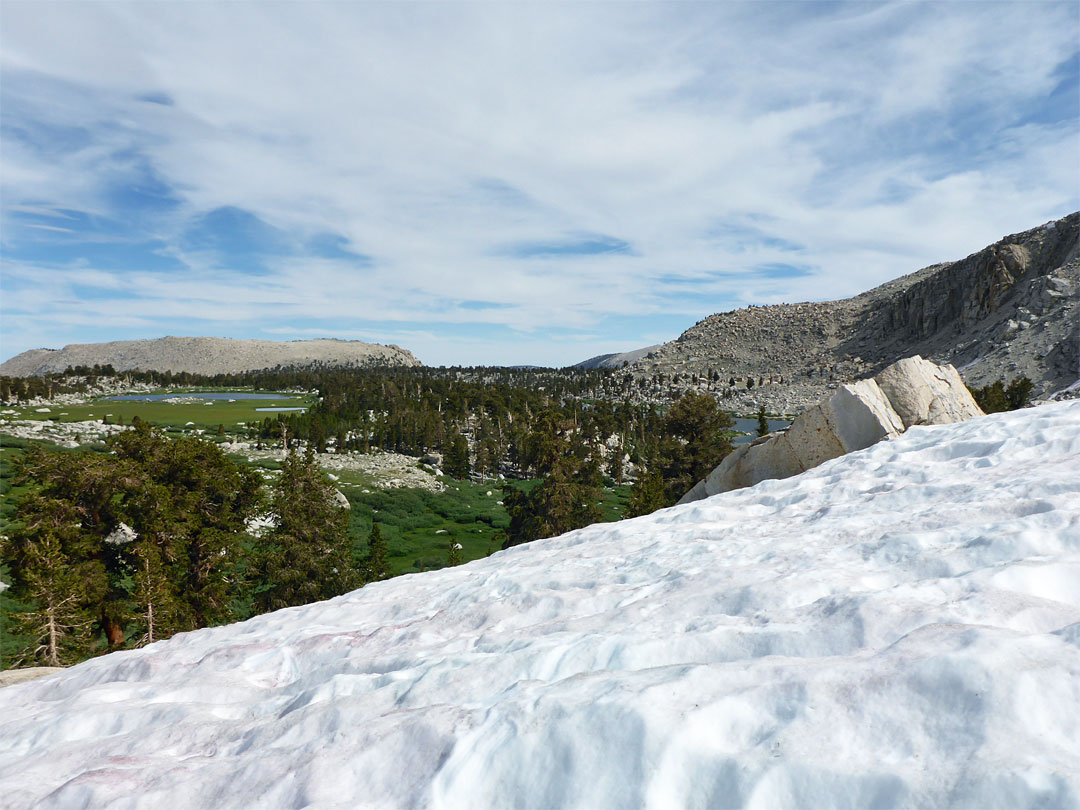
x=276 y=410
x=748 y=427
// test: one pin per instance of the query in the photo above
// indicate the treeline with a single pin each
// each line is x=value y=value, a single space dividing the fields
x=483 y=421
x=479 y=419
x=415 y=411
x=689 y=440
x=997 y=397
x=119 y=549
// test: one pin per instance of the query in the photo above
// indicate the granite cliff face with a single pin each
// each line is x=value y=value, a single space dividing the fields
x=206 y=355
x=1009 y=310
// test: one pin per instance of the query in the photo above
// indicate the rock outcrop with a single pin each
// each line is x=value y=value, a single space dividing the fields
x=912 y=391
x=206 y=355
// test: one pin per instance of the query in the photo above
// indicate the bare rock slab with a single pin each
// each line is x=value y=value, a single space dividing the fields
x=10 y=677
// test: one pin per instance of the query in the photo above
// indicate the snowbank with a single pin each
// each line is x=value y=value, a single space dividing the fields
x=897 y=627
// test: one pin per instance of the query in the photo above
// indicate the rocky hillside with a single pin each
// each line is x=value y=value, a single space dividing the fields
x=206 y=355
x=1008 y=310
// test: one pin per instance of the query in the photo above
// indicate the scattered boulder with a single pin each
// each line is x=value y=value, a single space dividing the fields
x=341 y=500
x=912 y=391
x=122 y=535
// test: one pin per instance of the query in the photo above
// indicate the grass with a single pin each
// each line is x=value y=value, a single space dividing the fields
x=419 y=526
x=166 y=414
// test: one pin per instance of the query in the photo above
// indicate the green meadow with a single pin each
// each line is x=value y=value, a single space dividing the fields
x=204 y=413
x=419 y=526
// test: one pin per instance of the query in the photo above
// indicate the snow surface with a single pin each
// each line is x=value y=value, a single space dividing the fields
x=897 y=627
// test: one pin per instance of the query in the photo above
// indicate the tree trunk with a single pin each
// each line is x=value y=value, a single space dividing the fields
x=54 y=638
x=149 y=607
x=114 y=631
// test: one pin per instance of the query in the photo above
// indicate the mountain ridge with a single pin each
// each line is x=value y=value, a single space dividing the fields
x=208 y=355
x=615 y=359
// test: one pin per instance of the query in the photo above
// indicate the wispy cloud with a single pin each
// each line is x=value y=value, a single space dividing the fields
x=54 y=228
x=492 y=181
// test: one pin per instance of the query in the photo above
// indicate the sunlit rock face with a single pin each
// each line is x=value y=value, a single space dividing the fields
x=923 y=393
x=910 y=392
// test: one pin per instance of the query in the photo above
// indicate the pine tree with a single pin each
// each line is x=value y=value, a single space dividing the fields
x=569 y=494
x=182 y=506
x=376 y=564
x=762 y=422
x=647 y=495
x=188 y=504
x=456 y=458
x=697 y=437
x=991 y=398
x=615 y=467
x=996 y=397
x=307 y=556
x=1018 y=393
x=155 y=592
x=47 y=553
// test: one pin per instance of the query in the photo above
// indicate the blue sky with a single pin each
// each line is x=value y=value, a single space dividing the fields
x=509 y=183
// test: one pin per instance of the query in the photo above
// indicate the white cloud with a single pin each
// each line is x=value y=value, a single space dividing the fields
x=879 y=138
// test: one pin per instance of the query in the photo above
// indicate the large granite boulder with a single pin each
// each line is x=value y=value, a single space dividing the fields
x=910 y=392
x=924 y=393
x=856 y=416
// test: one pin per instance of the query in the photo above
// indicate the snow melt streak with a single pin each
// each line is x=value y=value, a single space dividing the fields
x=898 y=627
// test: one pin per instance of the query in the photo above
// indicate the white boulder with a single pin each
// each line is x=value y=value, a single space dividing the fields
x=122 y=535
x=923 y=393
x=910 y=392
